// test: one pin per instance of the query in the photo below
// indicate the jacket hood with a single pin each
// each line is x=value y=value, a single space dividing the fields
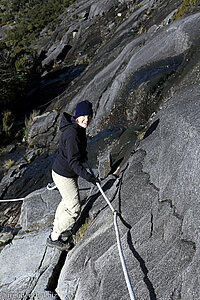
x=66 y=120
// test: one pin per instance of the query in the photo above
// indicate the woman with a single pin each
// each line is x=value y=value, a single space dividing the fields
x=67 y=167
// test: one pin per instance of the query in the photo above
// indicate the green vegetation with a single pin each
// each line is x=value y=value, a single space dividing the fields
x=7 y=165
x=11 y=84
x=27 y=18
x=8 y=122
x=184 y=8
x=80 y=233
x=19 y=62
x=29 y=121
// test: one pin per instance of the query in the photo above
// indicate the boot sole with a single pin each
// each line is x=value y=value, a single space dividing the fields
x=65 y=247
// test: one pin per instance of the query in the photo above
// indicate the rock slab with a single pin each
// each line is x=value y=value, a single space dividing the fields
x=159 y=227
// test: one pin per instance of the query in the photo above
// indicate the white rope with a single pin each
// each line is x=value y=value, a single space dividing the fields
x=12 y=200
x=128 y=283
x=103 y=194
x=49 y=187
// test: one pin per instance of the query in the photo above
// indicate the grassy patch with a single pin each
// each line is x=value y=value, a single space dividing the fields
x=8 y=164
x=80 y=233
x=27 y=18
x=184 y=8
x=8 y=122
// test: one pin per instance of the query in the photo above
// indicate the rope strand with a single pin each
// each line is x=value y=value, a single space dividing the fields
x=128 y=283
x=115 y=213
x=12 y=200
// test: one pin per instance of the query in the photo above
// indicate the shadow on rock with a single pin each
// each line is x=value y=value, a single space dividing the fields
x=143 y=267
x=152 y=128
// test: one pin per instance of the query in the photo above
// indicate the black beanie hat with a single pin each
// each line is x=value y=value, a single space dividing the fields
x=84 y=108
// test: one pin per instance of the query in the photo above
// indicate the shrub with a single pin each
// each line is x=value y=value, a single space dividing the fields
x=80 y=233
x=33 y=115
x=28 y=18
x=8 y=122
x=29 y=121
x=182 y=10
x=8 y=164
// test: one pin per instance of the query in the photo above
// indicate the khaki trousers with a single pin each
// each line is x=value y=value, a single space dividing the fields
x=69 y=208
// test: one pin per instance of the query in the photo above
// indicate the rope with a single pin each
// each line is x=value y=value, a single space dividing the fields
x=103 y=194
x=11 y=200
x=128 y=283
x=49 y=187
x=115 y=213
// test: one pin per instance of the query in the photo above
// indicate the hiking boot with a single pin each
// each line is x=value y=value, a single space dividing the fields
x=66 y=235
x=58 y=244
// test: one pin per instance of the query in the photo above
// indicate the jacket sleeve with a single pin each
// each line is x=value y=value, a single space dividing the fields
x=74 y=157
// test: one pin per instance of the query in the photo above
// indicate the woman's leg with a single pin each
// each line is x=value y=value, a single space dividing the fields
x=69 y=208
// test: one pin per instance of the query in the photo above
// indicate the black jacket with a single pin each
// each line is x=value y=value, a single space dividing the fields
x=72 y=149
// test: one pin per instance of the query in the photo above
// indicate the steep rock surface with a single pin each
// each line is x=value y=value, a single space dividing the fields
x=159 y=227
x=30 y=269
x=132 y=59
x=132 y=69
x=138 y=61
x=157 y=195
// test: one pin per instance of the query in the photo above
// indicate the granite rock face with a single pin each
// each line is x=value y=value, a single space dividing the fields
x=25 y=263
x=43 y=124
x=142 y=76
x=132 y=68
x=30 y=268
x=159 y=227
x=129 y=58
